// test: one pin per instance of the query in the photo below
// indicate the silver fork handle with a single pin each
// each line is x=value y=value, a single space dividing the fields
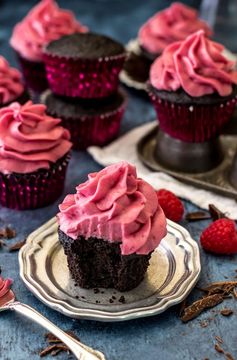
x=80 y=350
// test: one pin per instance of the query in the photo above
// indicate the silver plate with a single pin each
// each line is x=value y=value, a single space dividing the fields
x=174 y=270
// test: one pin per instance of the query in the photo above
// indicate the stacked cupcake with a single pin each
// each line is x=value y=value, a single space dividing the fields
x=44 y=23
x=82 y=71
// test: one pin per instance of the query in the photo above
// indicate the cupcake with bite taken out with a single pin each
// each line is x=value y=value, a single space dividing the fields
x=34 y=153
x=110 y=227
x=44 y=23
x=11 y=85
x=193 y=88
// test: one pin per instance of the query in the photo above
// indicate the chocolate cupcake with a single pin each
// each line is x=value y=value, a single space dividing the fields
x=193 y=88
x=34 y=153
x=11 y=85
x=172 y=24
x=90 y=122
x=44 y=23
x=84 y=65
x=167 y=26
x=110 y=227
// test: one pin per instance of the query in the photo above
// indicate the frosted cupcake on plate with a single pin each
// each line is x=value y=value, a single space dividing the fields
x=44 y=23
x=110 y=227
x=34 y=154
x=11 y=85
x=193 y=88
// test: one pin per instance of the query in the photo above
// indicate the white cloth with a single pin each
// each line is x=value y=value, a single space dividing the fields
x=124 y=148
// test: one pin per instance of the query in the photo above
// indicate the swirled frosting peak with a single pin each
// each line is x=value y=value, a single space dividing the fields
x=29 y=139
x=172 y=24
x=11 y=86
x=4 y=286
x=44 y=23
x=116 y=206
x=197 y=65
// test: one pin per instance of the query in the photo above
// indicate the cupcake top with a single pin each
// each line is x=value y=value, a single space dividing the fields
x=170 y=25
x=196 y=65
x=29 y=139
x=11 y=86
x=85 y=46
x=115 y=205
x=44 y=23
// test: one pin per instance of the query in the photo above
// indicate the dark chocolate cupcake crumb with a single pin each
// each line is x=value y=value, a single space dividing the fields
x=122 y=299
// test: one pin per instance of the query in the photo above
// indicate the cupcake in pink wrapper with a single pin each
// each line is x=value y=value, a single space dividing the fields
x=44 y=23
x=193 y=88
x=11 y=85
x=84 y=65
x=90 y=122
x=34 y=153
x=172 y=24
x=110 y=227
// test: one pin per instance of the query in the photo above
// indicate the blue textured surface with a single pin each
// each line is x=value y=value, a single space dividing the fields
x=159 y=337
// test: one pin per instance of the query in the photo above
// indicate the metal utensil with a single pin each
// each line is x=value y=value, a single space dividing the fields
x=81 y=351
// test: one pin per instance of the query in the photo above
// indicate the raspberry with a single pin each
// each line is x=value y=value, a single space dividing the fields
x=171 y=205
x=220 y=237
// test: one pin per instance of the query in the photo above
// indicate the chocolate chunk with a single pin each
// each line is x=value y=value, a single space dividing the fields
x=199 y=306
x=7 y=233
x=197 y=216
x=216 y=213
x=226 y=312
x=17 y=246
x=219 y=349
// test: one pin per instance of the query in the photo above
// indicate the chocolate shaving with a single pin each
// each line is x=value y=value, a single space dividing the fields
x=216 y=214
x=219 y=349
x=182 y=307
x=235 y=293
x=53 y=348
x=226 y=312
x=56 y=345
x=2 y=243
x=17 y=246
x=219 y=339
x=228 y=356
x=222 y=287
x=196 y=308
x=197 y=215
x=7 y=233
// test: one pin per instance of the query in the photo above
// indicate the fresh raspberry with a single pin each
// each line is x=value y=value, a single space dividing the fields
x=171 y=205
x=220 y=237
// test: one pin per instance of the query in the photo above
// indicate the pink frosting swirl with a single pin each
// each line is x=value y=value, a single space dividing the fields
x=44 y=23
x=11 y=86
x=29 y=139
x=170 y=25
x=197 y=65
x=4 y=286
x=117 y=206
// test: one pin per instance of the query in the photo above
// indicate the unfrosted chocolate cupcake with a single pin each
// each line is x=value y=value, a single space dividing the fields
x=110 y=227
x=84 y=65
x=90 y=122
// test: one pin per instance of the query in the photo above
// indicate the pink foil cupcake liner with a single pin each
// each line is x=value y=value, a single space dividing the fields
x=34 y=190
x=193 y=123
x=94 y=78
x=34 y=74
